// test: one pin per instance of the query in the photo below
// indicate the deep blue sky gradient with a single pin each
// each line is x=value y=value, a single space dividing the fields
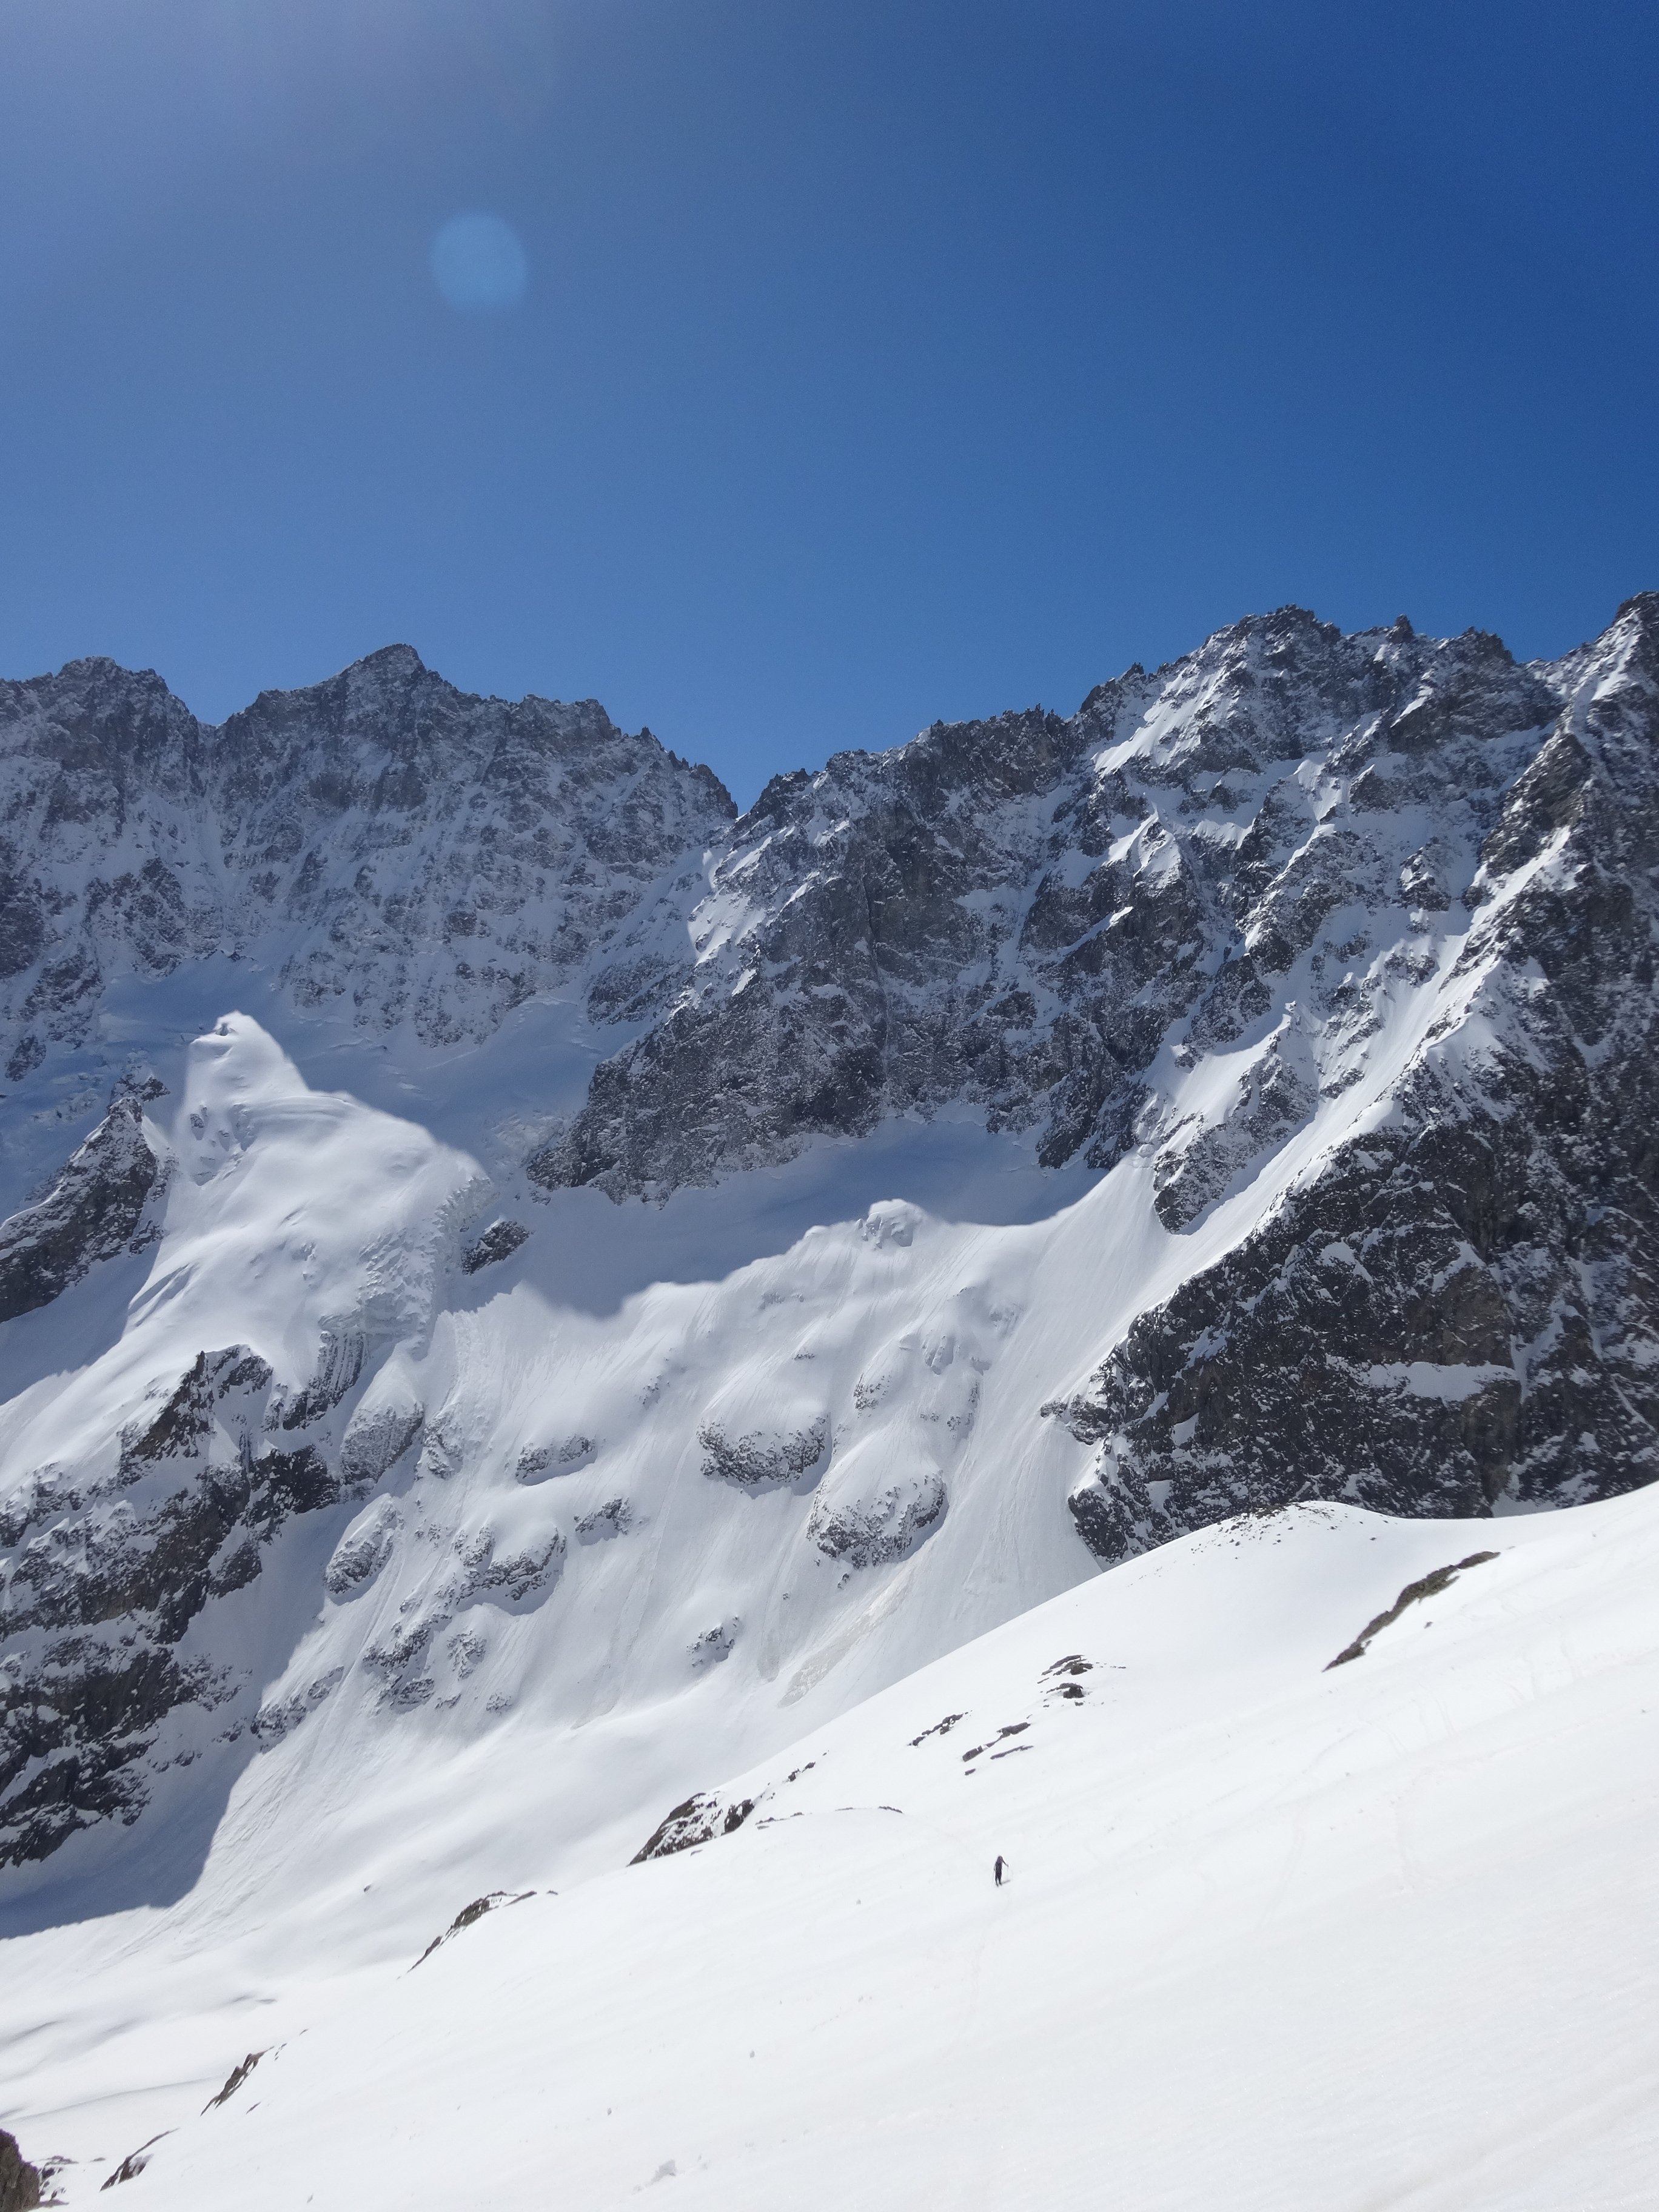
x=877 y=362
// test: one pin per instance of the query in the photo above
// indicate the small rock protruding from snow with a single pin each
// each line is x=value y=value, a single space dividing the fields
x=499 y=1241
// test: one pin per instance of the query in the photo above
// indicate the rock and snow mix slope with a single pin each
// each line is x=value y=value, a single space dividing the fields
x=302 y=1234
x=1057 y=1133
x=1278 y=1934
x=326 y=1465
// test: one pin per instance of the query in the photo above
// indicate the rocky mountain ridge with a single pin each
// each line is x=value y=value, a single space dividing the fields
x=1020 y=912
x=390 y=845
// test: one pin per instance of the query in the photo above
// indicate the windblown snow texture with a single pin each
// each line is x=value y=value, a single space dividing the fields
x=1241 y=1090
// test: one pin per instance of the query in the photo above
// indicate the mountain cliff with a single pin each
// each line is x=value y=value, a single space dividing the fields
x=383 y=842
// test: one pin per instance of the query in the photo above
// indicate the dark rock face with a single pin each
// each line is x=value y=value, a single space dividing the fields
x=614 y=1518
x=698 y=1821
x=763 y=1459
x=100 y=1583
x=234 y=2081
x=468 y=1916
x=499 y=1241
x=93 y=1212
x=420 y=854
x=20 y=2181
x=1416 y=1593
x=135 y=2162
x=872 y=1532
x=1020 y=912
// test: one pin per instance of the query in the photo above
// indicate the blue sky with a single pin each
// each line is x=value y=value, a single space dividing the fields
x=865 y=363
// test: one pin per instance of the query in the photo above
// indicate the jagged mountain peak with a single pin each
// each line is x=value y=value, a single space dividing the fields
x=1641 y=608
x=136 y=839
x=396 y=660
x=382 y=841
x=1015 y=911
x=1634 y=638
x=395 y=682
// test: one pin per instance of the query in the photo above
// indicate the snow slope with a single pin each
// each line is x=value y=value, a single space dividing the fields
x=1277 y=1934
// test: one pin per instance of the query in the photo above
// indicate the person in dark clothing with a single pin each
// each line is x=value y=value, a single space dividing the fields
x=1002 y=1869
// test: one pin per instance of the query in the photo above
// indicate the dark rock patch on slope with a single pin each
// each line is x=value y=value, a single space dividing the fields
x=763 y=1459
x=93 y=1212
x=499 y=1241
x=698 y=1821
x=20 y=2181
x=100 y=1583
x=1426 y=1587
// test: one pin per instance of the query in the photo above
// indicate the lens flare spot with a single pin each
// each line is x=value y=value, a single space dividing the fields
x=479 y=265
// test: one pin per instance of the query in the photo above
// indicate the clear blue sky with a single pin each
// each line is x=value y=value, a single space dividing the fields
x=875 y=361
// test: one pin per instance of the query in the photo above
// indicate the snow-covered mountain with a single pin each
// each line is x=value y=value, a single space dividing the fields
x=526 y=1292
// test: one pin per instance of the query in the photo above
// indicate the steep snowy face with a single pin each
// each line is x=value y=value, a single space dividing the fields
x=149 y=1488
x=358 y=1463
x=394 y=847
x=1366 y=924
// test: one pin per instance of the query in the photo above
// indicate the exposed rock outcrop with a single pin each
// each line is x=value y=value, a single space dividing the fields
x=20 y=2181
x=698 y=1821
x=764 y=1459
x=93 y=1210
x=104 y=1581
x=1023 y=912
x=499 y=1241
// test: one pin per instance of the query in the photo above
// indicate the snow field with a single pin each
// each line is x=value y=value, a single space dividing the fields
x=1276 y=1935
